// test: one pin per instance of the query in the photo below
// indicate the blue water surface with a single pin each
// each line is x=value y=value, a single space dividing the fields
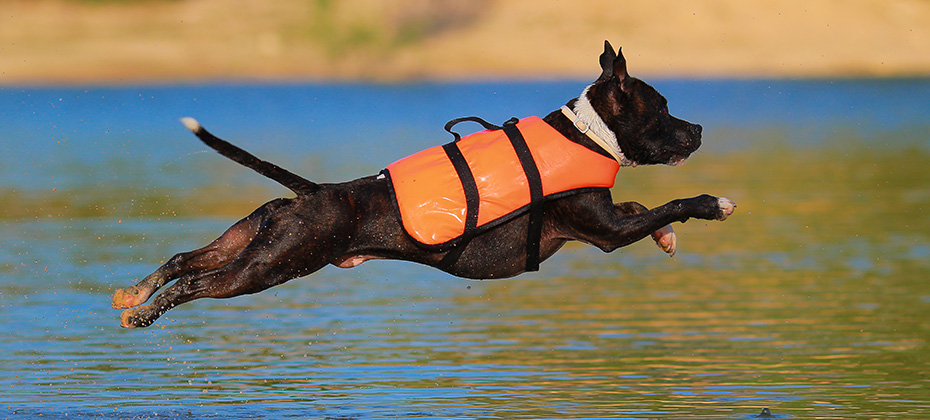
x=812 y=300
x=369 y=125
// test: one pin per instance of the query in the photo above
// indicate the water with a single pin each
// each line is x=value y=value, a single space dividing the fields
x=812 y=300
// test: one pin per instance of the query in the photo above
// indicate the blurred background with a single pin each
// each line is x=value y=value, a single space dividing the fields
x=124 y=41
x=812 y=300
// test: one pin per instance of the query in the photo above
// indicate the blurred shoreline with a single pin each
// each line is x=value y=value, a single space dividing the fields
x=65 y=42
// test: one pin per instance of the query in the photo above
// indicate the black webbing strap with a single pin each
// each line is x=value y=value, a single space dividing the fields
x=468 y=185
x=534 y=230
x=471 y=201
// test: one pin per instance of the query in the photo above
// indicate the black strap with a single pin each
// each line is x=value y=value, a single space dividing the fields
x=471 y=202
x=534 y=230
x=468 y=185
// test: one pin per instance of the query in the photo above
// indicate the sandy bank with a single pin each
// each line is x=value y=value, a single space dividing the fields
x=70 y=41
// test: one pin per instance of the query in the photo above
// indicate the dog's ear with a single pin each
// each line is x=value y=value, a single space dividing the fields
x=619 y=66
x=614 y=65
x=607 y=61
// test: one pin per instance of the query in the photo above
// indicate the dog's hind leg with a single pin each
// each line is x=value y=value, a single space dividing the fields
x=217 y=254
x=271 y=259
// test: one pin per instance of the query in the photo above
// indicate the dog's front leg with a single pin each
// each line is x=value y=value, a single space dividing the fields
x=609 y=226
x=664 y=238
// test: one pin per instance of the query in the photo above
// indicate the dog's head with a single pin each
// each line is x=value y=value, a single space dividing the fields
x=636 y=115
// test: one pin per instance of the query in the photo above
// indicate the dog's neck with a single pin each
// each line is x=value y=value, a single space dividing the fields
x=589 y=122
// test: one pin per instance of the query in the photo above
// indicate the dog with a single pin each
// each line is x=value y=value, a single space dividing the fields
x=617 y=117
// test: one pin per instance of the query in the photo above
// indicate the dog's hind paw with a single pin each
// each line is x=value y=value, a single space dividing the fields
x=130 y=296
x=666 y=240
x=125 y=298
x=726 y=208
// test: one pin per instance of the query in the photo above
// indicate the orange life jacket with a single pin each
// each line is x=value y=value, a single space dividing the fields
x=431 y=198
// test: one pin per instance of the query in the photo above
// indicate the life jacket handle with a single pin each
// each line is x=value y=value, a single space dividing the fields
x=479 y=120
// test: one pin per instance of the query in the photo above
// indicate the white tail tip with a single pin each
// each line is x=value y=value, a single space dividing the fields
x=191 y=124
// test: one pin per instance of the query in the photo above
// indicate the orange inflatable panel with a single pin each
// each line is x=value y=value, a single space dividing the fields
x=431 y=199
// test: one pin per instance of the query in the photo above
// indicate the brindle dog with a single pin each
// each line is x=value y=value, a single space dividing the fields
x=346 y=224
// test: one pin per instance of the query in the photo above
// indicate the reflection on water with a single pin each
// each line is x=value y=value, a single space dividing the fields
x=812 y=300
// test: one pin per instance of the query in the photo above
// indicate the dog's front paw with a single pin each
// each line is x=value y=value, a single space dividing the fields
x=666 y=240
x=726 y=207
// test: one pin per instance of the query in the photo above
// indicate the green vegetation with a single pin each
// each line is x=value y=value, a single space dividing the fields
x=356 y=27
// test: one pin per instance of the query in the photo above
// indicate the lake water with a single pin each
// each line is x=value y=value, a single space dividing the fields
x=813 y=300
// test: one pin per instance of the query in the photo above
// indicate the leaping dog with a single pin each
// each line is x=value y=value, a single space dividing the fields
x=505 y=199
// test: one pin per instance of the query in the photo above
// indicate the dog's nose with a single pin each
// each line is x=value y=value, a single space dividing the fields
x=694 y=139
x=696 y=129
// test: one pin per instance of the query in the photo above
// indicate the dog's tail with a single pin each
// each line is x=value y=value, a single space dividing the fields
x=294 y=182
